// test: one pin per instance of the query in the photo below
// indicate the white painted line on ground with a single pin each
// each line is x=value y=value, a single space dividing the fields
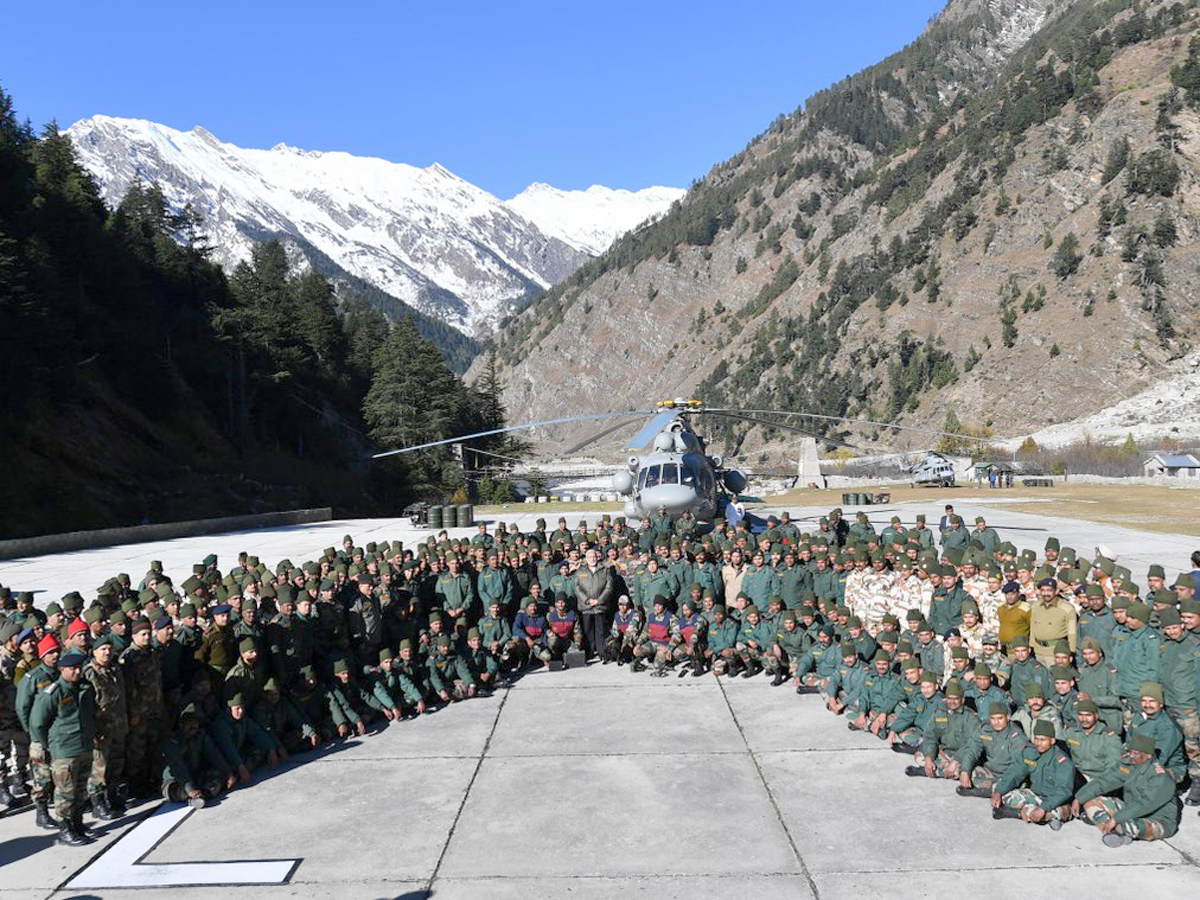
x=119 y=866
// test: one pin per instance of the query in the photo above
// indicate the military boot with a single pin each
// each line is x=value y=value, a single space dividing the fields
x=1193 y=797
x=69 y=837
x=803 y=688
x=638 y=665
x=1006 y=812
x=752 y=669
x=780 y=678
x=100 y=807
x=44 y=819
x=7 y=801
x=16 y=787
x=698 y=668
x=116 y=799
x=973 y=792
x=902 y=747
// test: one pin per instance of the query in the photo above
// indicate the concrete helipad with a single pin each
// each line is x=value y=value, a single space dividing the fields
x=588 y=783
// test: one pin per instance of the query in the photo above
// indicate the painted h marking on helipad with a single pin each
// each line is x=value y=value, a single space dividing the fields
x=120 y=865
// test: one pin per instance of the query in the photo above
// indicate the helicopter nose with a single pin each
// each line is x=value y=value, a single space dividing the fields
x=677 y=498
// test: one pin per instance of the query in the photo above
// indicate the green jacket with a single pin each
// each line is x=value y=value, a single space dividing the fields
x=1099 y=682
x=998 y=748
x=1022 y=674
x=919 y=712
x=793 y=582
x=880 y=693
x=1137 y=661
x=1168 y=741
x=495 y=585
x=722 y=636
x=455 y=591
x=31 y=684
x=63 y=719
x=1177 y=671
x=1147 y=790
x=1051 y=775
x=1093 y=753
x=821 y=659
x=949 y=730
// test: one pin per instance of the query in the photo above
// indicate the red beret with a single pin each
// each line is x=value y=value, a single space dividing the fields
x=77 y=627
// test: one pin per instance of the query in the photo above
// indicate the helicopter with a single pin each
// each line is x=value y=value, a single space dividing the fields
x=678 y=474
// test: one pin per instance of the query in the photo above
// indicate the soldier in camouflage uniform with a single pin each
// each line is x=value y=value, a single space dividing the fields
x=143 y=681
x=14 y=743
x=105 y=784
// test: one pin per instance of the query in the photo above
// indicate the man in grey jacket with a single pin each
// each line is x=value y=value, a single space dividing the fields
x=594 y=588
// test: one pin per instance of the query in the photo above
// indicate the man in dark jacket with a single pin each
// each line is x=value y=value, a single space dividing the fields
x=594 y=588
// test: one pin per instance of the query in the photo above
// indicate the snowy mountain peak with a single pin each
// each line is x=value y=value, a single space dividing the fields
x=591 y=219
x=425 y=236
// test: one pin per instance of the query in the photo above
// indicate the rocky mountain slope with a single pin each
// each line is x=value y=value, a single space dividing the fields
x=422 y=236
x=1002 y=219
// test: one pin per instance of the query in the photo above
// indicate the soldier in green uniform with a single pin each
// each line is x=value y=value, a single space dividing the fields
x=993 y=748
x=1050 y=775
x=63 y=720
x=36 y=680
x=1094 y=747
x=907 y=728
x=1147 y=809
x=950 y=729
x=1168 y=739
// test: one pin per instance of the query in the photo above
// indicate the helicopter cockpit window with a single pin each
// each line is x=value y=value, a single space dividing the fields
x=670 y=473
x=652 y=474
x=642 y=477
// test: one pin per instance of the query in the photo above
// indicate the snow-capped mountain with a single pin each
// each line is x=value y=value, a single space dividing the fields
x=591 y=220
x=425 y=236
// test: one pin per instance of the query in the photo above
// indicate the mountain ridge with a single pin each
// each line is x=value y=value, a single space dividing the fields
x=787 y=276
x=425 y=236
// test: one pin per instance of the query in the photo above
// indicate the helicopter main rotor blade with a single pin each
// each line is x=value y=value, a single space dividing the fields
x=804 y=415
x=650 y=430
x=728 y=414
x=505 y=430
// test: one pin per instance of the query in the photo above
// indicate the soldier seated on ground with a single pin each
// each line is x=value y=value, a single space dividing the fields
x=1147 y=809
x=1037 y=786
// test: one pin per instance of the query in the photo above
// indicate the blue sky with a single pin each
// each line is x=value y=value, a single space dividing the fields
x=625 y=94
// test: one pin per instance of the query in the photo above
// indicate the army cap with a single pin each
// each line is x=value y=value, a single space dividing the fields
x=105 y=640
x=954 y=687
x=443 y=640
x=140 y=625
x=1043 y=728
x=1062 y=646
x=8 y=631
x=1129 y=587
x=1011 y=588
x=473 y=634
x=848 y=649
x=882 y=656
x=789 y=615
x=53 y=608
x=163 y=622
x=1087 y=706
x=70 y=659
x=911 y=663
x=1061 y=673
x=887 y=637
x=1156 y=571
x=1052 y=543
x=1142 y=743
x=1170 y=616
x=339 y=666
x=385 y=653
x=1121 y=603
x=1033 y=689
x=990 y=639
x=1093 y=590
x=1139 y=611
x=1191 y=605
x=1185 y=581
x=1152 y=690
x=236 y=700
x=983 y=670
x=998 y=708
x=854 y=622
x=93 y=615
x=246 y=644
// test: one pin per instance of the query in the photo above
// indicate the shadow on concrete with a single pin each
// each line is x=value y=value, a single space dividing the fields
x=23 y=847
